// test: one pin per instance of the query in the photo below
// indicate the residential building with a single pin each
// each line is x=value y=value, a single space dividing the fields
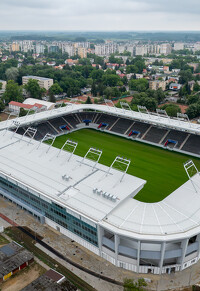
x=165 y=48
x=3 y=84
x=53 y=49
x=155 y=85
x=43 y=82
x=15 y=47
x=39 y=48
x=68 y=48
x=33 y=101
x=82 y=52
x=174 y=86
x=178 y=46
x=141 y=50
x=106 y=49
x=16 y=106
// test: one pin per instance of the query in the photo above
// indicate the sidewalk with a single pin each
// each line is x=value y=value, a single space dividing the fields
x=93 y=262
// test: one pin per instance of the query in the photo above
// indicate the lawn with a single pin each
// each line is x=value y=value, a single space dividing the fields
x=162 y=169
x=3 y=240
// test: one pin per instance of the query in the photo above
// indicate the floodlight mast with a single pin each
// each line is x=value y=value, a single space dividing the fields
x=31 y=132
x=95 y=152
x=27 y=113
x=188 y=165
x=183 y=117
x=124 y=106
x=107 y=101
x=162 y=113
x=11 y=113
x=17 y=126
x=123 y=161
x=71 y=144
x=142 y=109
x=47 y=136
x=13 y=124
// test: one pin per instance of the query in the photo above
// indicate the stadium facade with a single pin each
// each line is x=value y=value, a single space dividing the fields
x=94 y=204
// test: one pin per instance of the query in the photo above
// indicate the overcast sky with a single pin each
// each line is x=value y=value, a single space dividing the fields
x=100 y=15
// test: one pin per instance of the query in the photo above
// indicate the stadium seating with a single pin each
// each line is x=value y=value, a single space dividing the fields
x=57 y=122
x=122 y=125
x=107 y=119
x=71 y=119
x=179 y=136
x=148 y=132
x=86 y=115
x=155 y=134
x=141 y=127
x=192 y=144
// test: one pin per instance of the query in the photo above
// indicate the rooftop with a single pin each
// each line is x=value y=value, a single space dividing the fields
x=44 y=172
x=37 y=78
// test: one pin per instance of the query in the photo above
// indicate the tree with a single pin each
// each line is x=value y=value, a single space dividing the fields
x=55 y=89
x=185 y=76
x=12 y=73
x=22 y=112
x=131 y=285
x=171 y=109
x=52 y=97
x=139 y=85
x=193 y=110
x=33 y=88
x=1 y=85
x=2 y=106
x=94 y=90
x=88 y=101
x=13 y=92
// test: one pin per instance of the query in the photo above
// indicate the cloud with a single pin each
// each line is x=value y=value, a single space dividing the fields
x=99 y=15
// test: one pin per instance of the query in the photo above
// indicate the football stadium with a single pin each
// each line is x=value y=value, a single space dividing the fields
x=123 y=184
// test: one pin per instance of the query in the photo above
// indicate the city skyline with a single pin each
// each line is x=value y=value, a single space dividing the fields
x=85 y=15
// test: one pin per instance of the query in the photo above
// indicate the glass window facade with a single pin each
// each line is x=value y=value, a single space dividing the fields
x=53 y=211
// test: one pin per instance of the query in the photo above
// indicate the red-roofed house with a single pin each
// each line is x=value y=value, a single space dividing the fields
x=15 y=107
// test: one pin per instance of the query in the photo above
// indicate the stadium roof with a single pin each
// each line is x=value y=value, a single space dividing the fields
x=44 y=172
x=41 y=170
x=144 y=117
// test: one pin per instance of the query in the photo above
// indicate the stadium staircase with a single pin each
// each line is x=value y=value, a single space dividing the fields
x=192 y=144
x=184 y=142
x=164 y=137
x=52 y=126
x=122 y=125
x=149 y=128
x=114 y=124
x=129 y=129
x=154 y=134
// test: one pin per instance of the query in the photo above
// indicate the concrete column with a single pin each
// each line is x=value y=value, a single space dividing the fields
x=184 y=245
x=116 y=248
x=100 y=235
x=138 y=256
x=162 y=256
x=198 y=251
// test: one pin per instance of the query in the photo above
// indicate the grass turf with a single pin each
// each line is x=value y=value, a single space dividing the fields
x=162 y=169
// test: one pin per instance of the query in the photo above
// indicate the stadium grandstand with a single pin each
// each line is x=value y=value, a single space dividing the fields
x=94 y=204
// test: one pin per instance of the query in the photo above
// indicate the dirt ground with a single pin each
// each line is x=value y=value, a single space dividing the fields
x=23 y=278
x=4 y=116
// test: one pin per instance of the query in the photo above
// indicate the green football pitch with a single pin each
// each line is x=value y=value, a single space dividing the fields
x=162 y=169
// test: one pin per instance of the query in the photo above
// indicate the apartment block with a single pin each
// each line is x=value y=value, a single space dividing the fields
x=155 y=85
x=43 y=82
